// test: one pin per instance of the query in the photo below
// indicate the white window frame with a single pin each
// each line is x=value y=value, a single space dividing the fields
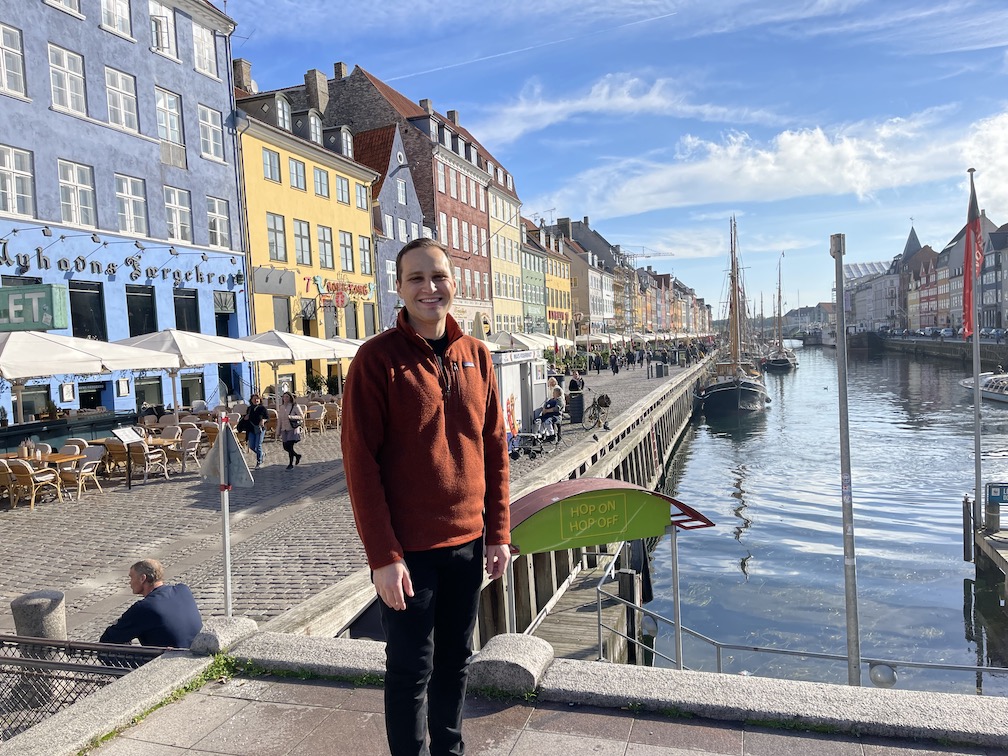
x=162 y=26
x=472 y=192
x=211 y=130
x=465 y=236
x=455 y=232
x=120 y=90
x=271 y=165
x=346 y=251
x=453 y=183
x=343 y=190
x=315 y=128
x=321 y=179
x=205 y=50
x=283 y=113
x=66 y=76
x=178 y=213
x=169 y=116
x=325 y=247
x=388 y=226
x=77 y=194
x=346 y=143
x=296 y=170
x=131 y=204
x=364 y=248
x=116 y=17
x=17 y=182
x=73 y=6
x=443 y=228
x=219 y=222
x=441 y=177
x=390 y=276
x=463 y=189
x=12 y=71
x=276 y=237
x=362 y=197
x=414 y=230
x=403 y=233
x=302 y=242
x=401 y=191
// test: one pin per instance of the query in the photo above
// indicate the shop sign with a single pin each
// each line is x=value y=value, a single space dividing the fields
x=41 y=307
x=340 y=290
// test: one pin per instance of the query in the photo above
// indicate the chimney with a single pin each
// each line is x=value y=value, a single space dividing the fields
x=428 y=106
x=242 y=74
x=564 y=227
x=585 y=221
x=339 y=71
x=317 y=89
x=453 y=116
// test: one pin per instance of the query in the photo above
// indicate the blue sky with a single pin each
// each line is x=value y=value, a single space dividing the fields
x=658 y=119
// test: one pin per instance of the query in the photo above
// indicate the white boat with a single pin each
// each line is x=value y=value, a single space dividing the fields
x=993 y=386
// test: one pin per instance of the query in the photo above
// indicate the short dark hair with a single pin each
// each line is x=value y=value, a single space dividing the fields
x=420 y=244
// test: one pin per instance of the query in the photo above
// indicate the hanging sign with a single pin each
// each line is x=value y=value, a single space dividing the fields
x=40 y=307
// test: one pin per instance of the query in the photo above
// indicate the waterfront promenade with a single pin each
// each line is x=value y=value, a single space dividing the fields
x=293 y=537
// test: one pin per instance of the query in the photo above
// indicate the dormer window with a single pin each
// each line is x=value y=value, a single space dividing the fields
x=283 y=113
x=346 y=142
x=473 y=155
x=446 y=138
x=315 y=128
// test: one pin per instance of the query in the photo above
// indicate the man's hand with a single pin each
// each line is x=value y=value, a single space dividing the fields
x=497 y=557
x=391 y=582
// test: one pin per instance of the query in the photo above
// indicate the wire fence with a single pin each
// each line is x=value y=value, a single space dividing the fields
x=39 y=676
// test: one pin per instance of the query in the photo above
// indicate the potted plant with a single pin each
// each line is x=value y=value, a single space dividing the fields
x=315 y=383
x=333 y=384
x=51 y=409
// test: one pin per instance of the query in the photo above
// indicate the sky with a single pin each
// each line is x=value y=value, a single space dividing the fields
x=660 y=119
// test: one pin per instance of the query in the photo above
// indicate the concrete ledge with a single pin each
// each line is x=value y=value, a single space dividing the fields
x=327 y=613
x=219 y=634
x=328 y=657
x=976 y=720
x=511 y=663
x=114 y=706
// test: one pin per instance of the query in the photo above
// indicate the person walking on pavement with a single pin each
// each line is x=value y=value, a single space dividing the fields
x=289 y=422
x=255 y=428
x=426 y=463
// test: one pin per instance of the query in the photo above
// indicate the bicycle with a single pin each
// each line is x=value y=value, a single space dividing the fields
x=597 y=412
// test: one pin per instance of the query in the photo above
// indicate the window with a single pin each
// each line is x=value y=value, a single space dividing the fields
x=362 y=201
x=204 y=50
x=443 y=228
x=455 y=233
x=325 y=248
x=297 y=174
x=163 y=28
x=178 y=212
x=66 y=73
x=486 y=286
x=283 y=113
x=440 y=178
x=70 y=5
x=116 y=16
x=302 y=242
x=401 y=191
x=414 y=230
x=12 y=79
x=465 y=236
x=364 y=242
x=315 y=128
x=483 y=241
x=120 y=89
x=17 y=193
x=346 y=143
x=343 y=190
x=211 y=132
x=472 y=192
x=369 y=319
x=468 y=283
x=87 y=310
x=463 y=194
x=77 y=194
x=390 y=276
x=403 y=235
x=453 y=182
x=321 y=182
x=281 y=314
x=219 y=222
x=169 y=116
x=131 y=205
x=186 y=310
x=275 y=237
x=482 y=200
x=346 y=250
x=140 y=310
x=389 y=226
x=271 y=165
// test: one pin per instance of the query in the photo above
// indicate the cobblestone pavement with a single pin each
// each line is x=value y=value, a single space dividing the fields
x=292 y=534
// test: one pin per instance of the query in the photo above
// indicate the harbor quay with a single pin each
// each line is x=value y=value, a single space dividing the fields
x=293 y=539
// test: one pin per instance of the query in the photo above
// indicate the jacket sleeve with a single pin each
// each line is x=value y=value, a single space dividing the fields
x=497 y=504
x=133 y=622
x=365 y=414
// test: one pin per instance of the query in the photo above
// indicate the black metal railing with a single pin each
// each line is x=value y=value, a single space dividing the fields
x=39 y=677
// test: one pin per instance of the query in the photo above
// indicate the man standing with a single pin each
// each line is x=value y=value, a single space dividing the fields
x=166 y=616
x=427 y=469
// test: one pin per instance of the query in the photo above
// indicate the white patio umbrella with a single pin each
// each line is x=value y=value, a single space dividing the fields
x=300 y=347
x=520 y=340
x=38 y=354
x=193 y=349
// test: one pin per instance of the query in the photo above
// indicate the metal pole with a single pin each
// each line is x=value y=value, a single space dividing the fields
x=676 y=613
x=967 y=531
x=225 y=487
x=977 y=477
x=512 y=620
x=837 y=248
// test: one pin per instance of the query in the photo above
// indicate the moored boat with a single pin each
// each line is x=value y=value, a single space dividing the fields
x=993 y=386
x=781 y=359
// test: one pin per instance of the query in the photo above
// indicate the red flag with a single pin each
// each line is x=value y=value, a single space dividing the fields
x=556 y=345
x=974 y=251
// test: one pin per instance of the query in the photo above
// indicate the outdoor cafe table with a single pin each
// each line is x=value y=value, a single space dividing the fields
x=53 y=458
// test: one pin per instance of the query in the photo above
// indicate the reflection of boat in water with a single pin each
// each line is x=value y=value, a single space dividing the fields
x=736 y=387
x=993 y=386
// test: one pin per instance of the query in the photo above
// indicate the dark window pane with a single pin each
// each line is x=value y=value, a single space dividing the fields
x=187 y=310
x=87 y=311
x=140 y=310
x=369 y=319
x=350 y=318
x=281 y=314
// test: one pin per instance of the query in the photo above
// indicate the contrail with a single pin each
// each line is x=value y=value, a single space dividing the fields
x=527 y=49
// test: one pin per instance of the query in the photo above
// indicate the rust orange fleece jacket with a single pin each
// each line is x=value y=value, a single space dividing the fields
x=424 y=447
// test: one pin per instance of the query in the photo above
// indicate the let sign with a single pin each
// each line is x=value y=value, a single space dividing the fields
x=41 y=307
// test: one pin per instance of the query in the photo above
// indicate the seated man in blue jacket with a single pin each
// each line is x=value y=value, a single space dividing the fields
x=165 y=616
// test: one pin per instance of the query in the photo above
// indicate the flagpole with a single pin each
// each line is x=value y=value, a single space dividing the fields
x=977 y=477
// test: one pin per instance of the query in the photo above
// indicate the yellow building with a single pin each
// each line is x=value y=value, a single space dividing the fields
x=309 y=231
x=559 y=315
x=505 y=256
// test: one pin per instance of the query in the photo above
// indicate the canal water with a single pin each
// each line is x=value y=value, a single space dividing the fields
x=770 y=573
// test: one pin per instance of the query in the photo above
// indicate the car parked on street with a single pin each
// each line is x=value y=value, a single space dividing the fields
x=947 y=333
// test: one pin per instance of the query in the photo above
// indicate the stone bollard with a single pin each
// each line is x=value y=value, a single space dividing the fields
x=40 y=614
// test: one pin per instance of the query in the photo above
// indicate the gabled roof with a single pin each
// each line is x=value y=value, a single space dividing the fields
x=912 y=244
x=374 y=149
x=403 y=105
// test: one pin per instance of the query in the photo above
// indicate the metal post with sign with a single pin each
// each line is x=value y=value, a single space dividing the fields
x=997 y=494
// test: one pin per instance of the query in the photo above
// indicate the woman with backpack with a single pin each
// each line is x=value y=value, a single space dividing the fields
x=290 y=421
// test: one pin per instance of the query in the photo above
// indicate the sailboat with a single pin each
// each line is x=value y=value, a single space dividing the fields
x=781 y=359
x=736 y=387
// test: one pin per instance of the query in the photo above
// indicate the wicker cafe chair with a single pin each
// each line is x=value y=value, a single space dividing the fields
x=334 y=412
x=189 y=449
x=115 y=455
x=32 y=483
x=86 y=471
x=8 y=485
x=315 y=419
x=147 y=460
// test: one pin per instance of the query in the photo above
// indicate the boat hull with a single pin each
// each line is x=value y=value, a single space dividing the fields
x=735 y=396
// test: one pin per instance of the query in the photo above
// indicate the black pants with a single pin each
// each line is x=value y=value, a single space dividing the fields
x=289 y=448
x=427 y=651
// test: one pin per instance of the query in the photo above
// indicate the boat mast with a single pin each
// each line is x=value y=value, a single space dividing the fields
x=780 y=311
x=734 y=320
